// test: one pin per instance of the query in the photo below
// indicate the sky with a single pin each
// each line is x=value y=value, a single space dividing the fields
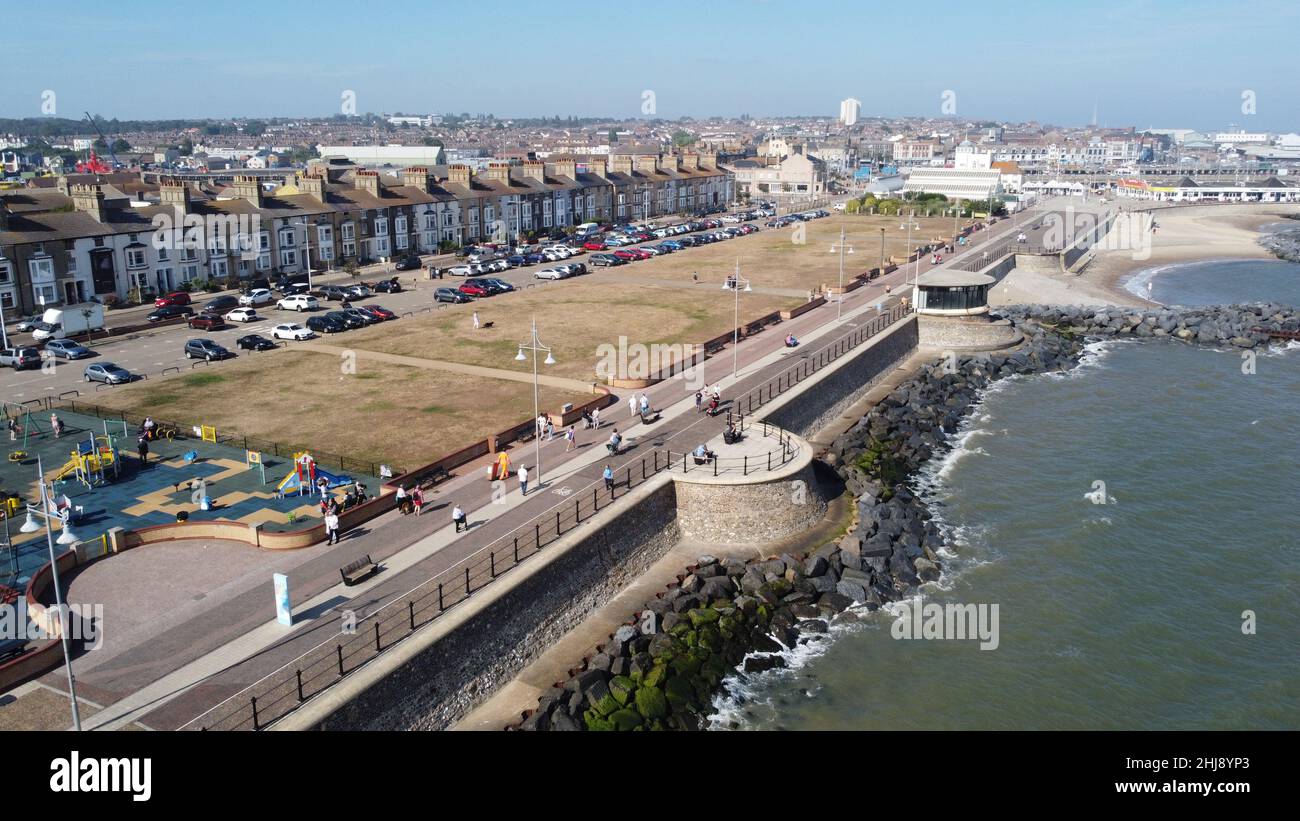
x=1145 y=63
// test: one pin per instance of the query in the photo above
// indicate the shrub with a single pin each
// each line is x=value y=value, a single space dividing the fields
x=111 y=301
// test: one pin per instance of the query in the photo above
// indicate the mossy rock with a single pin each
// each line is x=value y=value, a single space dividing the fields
x=691 y=640
x=710 y=638
x=680 y=629
x=606 y=704
x=636 y=676
x=763 y=614
x=651 y=703
x=679 y=687
x=622 y=688
x=702 y=615
x=722 y=604
x=658 y=726
x=595 y=723
x=625 y=719
x=779 y=586
x=656 y=677
x=728 y=626
x=714 y=670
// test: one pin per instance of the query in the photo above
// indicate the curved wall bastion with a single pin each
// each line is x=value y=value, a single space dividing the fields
x=722 y=618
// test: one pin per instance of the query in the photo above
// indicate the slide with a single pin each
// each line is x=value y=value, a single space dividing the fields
x=334 y=480
x=289 y=484
x=68 y=468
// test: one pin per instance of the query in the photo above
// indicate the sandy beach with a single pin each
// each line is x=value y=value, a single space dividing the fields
x=1183 y=234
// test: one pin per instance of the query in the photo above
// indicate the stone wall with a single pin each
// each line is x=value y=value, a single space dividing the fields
x=842 y=384
x=731 y=513
x=441 y=683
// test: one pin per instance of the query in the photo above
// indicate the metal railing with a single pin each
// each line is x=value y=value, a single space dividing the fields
x=282 y=691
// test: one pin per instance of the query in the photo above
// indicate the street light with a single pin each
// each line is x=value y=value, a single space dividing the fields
x=65 y=538
x=534 y=344
x=843 y=249
x=734 y=285
x=912 y=223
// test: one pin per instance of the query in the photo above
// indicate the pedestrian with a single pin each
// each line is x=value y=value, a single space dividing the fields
x=717 y=393
x=400 y=496
x=331 y=527
x=645 y=404
x=570 y=439
x=476 y=322
x=608 y=474
x=141 y=448
x=695 y=277
x=523 y=480
x=56 y=424
x=458 y=516
x=595 y=417
x=12 y=425
x=417 y=498
x=631 y=405
x=323 y=485
x=550 y=429
x=503 y=465
x=699 y=400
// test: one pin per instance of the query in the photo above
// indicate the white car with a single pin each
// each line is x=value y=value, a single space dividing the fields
x=257 y=296
x=291 y=330
x=298 y=302
x=551 y=273
x=242 y=315
x=732 y=218
x=561 y=251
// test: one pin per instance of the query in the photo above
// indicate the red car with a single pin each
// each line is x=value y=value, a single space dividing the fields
x=594 y=245
x=628 y=256
x=640 y=253
x=475 y=289
x=176 y=298
x=378 y=312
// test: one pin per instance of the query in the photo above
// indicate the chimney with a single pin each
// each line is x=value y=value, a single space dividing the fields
x=669 y=162
x=313 y=184
x=174 y=192
x=535 y=169
x=89 y=199
x=566 y=168
x=416 y=177
x=691 y=162
x=647 y=164
x=62 y=184
x=499 y=171
x=247 y=188
x=709 y=161
x=458 y=175
x=621 y=164
x=596 y=165
x=368 y=181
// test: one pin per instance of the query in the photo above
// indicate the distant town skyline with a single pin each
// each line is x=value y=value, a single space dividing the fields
x=1145 y=64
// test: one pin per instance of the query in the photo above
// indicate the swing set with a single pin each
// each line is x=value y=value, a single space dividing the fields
x=21 y=417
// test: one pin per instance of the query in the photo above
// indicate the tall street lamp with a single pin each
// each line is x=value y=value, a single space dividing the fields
x=733 y=283
x=535 y=345
x=912 y=223
x=843 y=249
x=67 y=537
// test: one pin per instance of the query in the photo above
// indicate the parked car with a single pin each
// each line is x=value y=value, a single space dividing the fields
x=169 y=312
x=451 y=295
x=361 y=316
x=475 y=288
x=27 y=323
x=108 y=373
x=333 y=293
x=243 y=315
x=294 y=288
x=550 y=273
x=174 y=298
x=292 y=330
x=325 y=324
x=67 y=349
x=19 y=358
x=378 y=313
x=358 y=291
x=606 y=260
x=460 y=271
x=410 y=262
x=594 y=245
x=206 y=322
x=626 y=255
x=205 y=349
x=255 y=342
x=497 y=286
x=257 y=296
x=301 y=302
x=348 y=320
x=221 y=305
x=388 y=286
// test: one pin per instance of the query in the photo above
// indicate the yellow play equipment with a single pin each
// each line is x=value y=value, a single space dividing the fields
x=90 y=462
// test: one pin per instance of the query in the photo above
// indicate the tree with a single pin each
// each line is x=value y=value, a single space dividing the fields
x=120 y=145
x=683 y=138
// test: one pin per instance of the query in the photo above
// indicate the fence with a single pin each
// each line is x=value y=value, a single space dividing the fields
x=285 y=689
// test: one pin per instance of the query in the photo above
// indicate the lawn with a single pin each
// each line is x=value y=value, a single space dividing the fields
x=404 y=416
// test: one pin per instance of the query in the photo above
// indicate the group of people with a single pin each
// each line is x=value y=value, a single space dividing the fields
x=410 y=501
x=714 y=396
x=15 y=427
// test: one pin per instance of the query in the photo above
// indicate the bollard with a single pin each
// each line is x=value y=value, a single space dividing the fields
x=537 y=535
x=516 y=550
x=301 y=698
x=492 y=562
x=745 y=472
x=440 y=607
x=467 y=591
x=411 y=607
x=339 y=647
x=256 y=726
x=378 y=647
x=629 y=478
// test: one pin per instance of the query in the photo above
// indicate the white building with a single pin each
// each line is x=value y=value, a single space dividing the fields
x=954 y=183
x=849 y=111
x=381 y=155
x=967 y=158
x=1239 y=137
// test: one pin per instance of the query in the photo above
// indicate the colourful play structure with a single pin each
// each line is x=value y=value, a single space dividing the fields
x=302 y=479
x=91 y=462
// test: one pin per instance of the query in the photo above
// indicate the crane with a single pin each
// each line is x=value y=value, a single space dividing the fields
x=95 y=165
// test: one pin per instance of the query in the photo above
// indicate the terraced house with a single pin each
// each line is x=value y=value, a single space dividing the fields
x=91 y=239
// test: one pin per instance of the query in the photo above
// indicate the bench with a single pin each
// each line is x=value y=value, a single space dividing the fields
x=713 y=347
x=354 y=572
x=439 y=474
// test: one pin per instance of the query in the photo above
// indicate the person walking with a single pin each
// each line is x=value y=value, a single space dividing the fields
x=503 y=465
x=570 y=439
x=631 y=405
x=717 y=393
x=476 y=322
x=608 y=474
x=699 y=401
x=550 y=429
x=523 y=480
x=458 y=517
x=331 y=527
x=417 y=498
x=56 y=424
x=12 y=424
x=595 y=418
x=645 y=404
x=400 y=496
x=142 y=448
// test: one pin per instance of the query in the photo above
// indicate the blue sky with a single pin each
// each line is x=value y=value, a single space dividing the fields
x=1153 y=63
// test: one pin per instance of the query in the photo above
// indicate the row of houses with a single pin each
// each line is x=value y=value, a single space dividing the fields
x=82 y=240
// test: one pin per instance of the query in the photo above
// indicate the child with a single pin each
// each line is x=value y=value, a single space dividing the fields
x=570 y=439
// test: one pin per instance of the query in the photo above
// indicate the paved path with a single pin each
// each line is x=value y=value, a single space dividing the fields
x=455 y=367
x=181 y=672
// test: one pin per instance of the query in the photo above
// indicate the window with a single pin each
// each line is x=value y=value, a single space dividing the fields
x=399 y=225
x=401 y=242
x=41 y=268
x=349 y=231
x=263 y=261
x=45 y=294
x=6 y=273
x=381 y=246
x=189 y=272
x=72 y=263
x=288 y=257
x=327 y=252
x=163 y=255
x=324 y=234
x=287 y=237
x=349 y=249
x=381 y=225
x=219 y=268
x=7 y=299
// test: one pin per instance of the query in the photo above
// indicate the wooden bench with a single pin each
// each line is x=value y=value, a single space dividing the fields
x=714 y=347
x=438 y=474
x=359 y=570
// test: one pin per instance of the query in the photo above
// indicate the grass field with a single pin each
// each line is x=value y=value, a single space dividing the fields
x=401 y=415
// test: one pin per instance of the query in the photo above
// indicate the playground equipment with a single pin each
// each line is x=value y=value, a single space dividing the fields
x=90 y=463
x=253 y=457
x=23 y=415
x=305 y=474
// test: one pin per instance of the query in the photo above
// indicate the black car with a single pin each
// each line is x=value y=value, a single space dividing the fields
x=388 y=286
x=205 y=349
x=170 y=312
x=293 y=288
x=254 y=284
x=334 y=293
x=254 y=342
x=500 y=286
x=221 y=305
x=325 y=324
x=359 y=315
x=348 y=320
x=410 y=262
x=605 y=260
x=451 y=295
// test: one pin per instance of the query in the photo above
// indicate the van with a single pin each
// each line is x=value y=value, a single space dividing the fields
x=58 y=323
x=587 y=228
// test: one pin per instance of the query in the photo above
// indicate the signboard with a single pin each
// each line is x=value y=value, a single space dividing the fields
x=283 y=609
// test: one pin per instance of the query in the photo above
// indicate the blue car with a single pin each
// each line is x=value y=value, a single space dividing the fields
x=534 y=259
x=516 y=260
x=672 y=245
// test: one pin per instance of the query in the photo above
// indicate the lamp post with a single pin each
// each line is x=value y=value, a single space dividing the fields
x=912 y=223
x=734 y=285
x=534 y=344
x=65 y=538
x=882 y=251
x=843 y=248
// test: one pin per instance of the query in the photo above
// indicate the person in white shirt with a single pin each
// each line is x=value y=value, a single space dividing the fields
x=631 y=405
x=523 y=480
x=458 y=516
x=331 y=527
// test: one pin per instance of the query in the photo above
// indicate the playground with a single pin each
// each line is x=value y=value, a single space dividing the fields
x=97 y=481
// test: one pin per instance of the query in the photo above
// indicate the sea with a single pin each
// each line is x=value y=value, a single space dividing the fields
x=1133 y=524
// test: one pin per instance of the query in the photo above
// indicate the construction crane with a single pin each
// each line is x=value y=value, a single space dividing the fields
x=93 y=164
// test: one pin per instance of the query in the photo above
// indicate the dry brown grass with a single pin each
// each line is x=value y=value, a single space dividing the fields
x=398 y=414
